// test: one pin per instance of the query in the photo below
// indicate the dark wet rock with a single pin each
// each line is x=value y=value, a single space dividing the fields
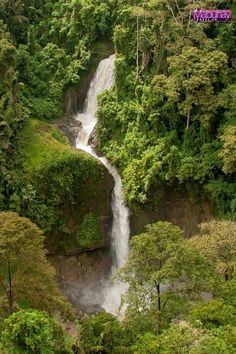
x=93 y=139
x=81 y=278
x=70 y=127
x=171 y=203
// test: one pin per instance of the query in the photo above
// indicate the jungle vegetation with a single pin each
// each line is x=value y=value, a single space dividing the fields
x=169 y=119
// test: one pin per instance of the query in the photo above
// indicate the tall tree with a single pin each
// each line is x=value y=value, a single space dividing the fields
x=216 y=240
x=25 y=274
x=11 y=116
x=161 y=265
x=195 y=72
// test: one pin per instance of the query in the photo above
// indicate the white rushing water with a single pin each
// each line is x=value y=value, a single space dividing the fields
x=103 y=80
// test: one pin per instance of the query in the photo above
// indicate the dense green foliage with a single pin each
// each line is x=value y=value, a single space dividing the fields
x=33 y=332
x=158 y=258
x=166 y=310
x=102 y=333
x=216 y=240
x=169 y=120
x=26 y=277
x=89 y=231
x=54 y=177
x=12 y=113
x=27 y=281
x=171 y=116
x=51 y=183
x=45 y=47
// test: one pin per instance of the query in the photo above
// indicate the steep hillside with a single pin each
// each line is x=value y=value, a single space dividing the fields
x=59 y=190
x=170 y=119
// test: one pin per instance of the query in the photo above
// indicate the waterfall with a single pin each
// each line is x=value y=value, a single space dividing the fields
x=103 y=80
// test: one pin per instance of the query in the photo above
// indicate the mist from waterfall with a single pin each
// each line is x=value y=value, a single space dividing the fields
x=110 y=292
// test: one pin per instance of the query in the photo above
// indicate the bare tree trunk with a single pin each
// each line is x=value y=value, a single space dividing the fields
x=158 y=307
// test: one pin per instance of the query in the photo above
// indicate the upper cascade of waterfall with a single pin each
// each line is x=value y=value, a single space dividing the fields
x=103 y=80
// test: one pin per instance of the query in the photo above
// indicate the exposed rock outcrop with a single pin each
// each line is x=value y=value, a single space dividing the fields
x=80 y=278
x=70 y=127
x=172 y=203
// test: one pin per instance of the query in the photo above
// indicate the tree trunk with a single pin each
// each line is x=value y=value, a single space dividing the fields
x=227 y=273
x=158 y=307
x=10 y=296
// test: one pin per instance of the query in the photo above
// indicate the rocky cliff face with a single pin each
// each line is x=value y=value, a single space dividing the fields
x=73 y=102
x=80 y=278
x=181 y=205
x=87 y=221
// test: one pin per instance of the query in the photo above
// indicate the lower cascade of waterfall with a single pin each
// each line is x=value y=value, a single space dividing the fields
x=110 y=290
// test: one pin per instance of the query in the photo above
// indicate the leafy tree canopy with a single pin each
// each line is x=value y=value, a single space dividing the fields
x=26 y=277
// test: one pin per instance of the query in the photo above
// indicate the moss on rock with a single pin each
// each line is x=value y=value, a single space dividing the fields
x=60 y=187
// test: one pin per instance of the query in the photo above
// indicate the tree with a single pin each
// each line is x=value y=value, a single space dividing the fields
x=216 y=240
x=214 y=314
x=163 y=267
x=11 y=114
x=186 y=67
x=181 y=337
x=25 y=274
x=32 y=331
x=196 y=83
x=228 y=291
x=184 y=338
x=139 y=12
x=228 y=153
x=146 y=344
x=14 y=14
x=102 y=333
